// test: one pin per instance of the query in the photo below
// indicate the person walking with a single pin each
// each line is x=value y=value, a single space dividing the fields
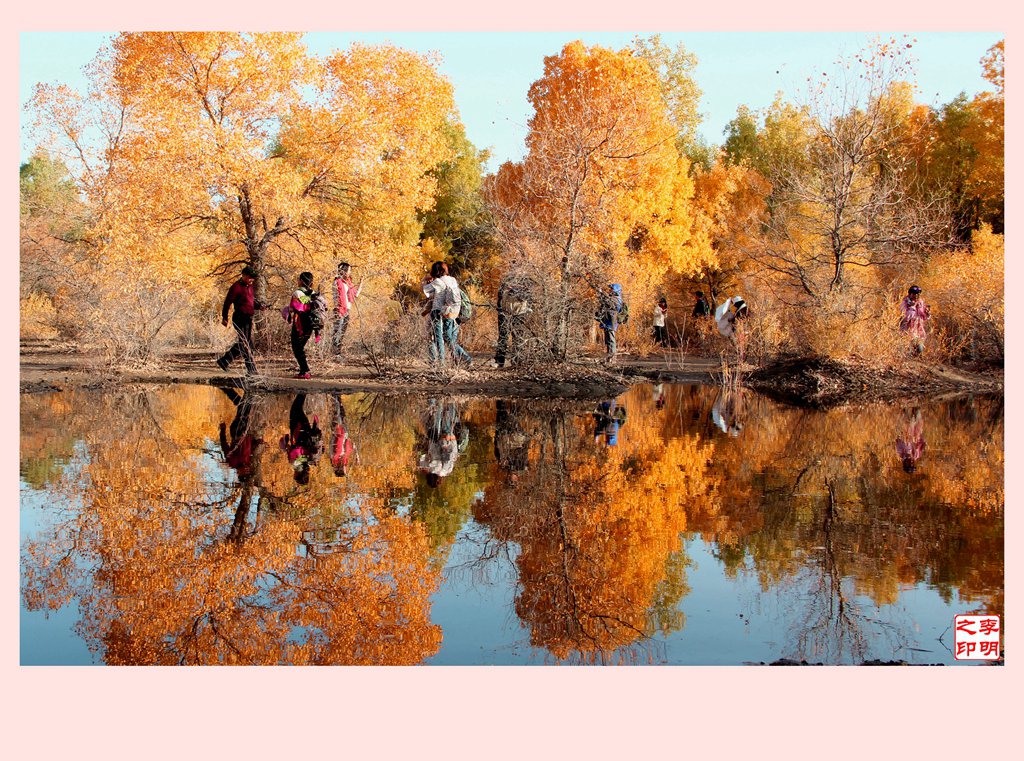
x=300 y=315
x=914 y=314
x=607 y=316
x=446 y=301
x=238 y=454
x=242 y=297
x=660 y=331
x=513 y=307
x=345 y=293
x=701 y=308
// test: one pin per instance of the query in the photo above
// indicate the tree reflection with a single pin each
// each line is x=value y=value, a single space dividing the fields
x=168 y=568
x=816 y=505
x=184 y=538
x=600 y=561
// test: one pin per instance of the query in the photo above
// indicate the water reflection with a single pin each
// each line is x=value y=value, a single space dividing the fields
x=442 y=446
x=180 y=545
x=910 y=444
x=304 y=441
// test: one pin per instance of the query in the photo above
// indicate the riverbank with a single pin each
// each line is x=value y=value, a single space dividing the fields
x=823 y=383
x=818 y=383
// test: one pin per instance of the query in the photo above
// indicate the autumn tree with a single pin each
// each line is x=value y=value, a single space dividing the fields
x=989 y=175
x=675 y=69
x=964 y=157
x=846 y=213
x=602 y=193
x=600 y=564
x=203 y=151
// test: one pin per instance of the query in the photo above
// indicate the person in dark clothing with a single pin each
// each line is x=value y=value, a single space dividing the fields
x=242 y=297
x=303 y=441
x=239 y=453
x=513 y=308
x=701 y=308
x=300 y=315
x=609 y=308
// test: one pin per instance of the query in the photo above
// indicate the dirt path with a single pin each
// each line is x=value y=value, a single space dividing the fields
x=46 y=366
x=50 y=367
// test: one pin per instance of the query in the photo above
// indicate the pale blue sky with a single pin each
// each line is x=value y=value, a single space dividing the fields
x=492 y=71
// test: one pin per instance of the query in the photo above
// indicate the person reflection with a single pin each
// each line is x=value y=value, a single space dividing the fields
x=443 y=446
x=658 y=394
x=727 y=411
x=238 y=454
x=303 y=441
x=910 y=444
x=511 y=444
x=342 y=448
x=609 y=417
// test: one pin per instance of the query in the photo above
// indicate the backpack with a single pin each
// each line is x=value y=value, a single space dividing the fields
x=624 y=313
x=517 y=300
x=450 y=302
x=466 y=311
x=317 y=312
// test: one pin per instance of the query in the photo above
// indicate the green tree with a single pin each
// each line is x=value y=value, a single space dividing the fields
x=675 y=69
x=459 y=224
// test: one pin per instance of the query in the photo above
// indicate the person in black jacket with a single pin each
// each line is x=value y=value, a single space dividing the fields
x=701 y=308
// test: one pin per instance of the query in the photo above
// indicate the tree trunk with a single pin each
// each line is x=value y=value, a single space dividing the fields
x=561 y=345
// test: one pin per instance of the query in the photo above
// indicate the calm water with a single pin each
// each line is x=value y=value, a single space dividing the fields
x=675 y=524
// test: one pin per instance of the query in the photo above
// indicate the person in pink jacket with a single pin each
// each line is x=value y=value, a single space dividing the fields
x=914 y=314
x=910 y=444
x=345 y=293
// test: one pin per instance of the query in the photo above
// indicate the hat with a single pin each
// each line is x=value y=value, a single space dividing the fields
x=248 y=271
x=914 y=289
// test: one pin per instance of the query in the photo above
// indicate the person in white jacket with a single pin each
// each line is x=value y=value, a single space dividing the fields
x=446 y=302
x=729 y=318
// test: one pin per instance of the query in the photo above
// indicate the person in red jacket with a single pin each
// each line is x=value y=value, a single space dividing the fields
x=238 y=454
x=243 y=298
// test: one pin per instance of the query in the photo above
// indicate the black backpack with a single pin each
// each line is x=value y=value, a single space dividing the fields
x=317 y=312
